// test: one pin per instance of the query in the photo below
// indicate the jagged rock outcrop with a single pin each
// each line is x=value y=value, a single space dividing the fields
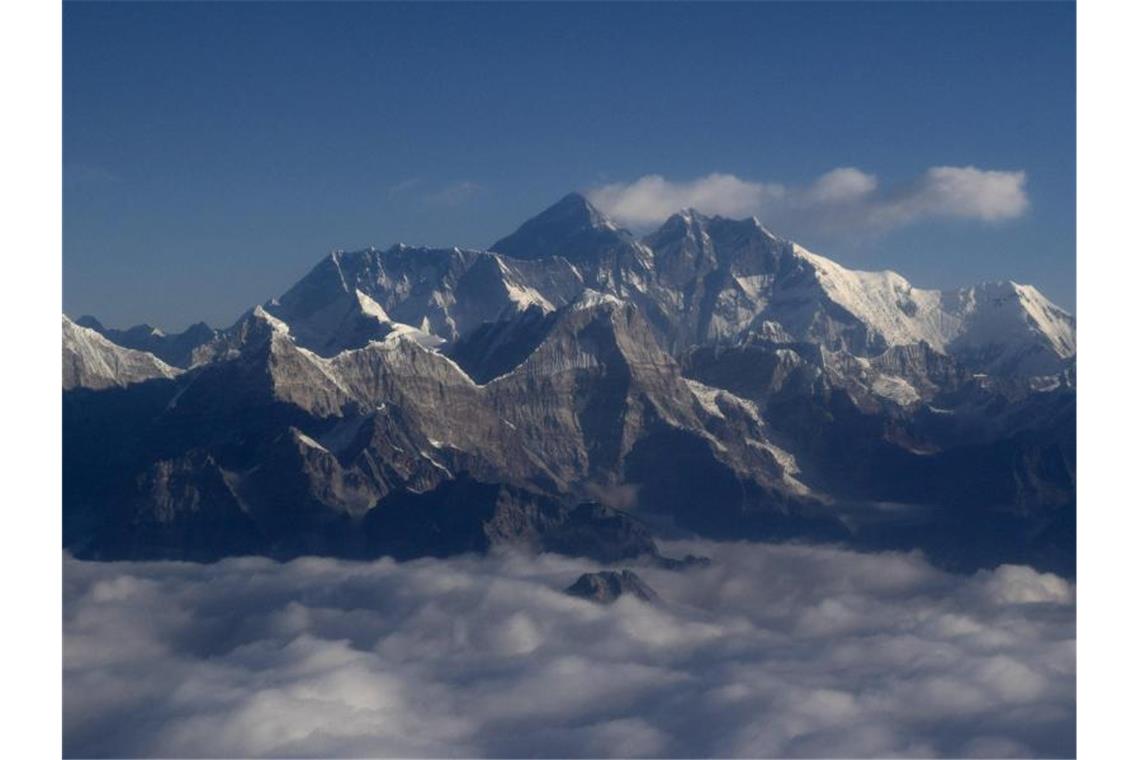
x=607 y=586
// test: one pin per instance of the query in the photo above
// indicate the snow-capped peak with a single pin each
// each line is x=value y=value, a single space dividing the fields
x=885 y=301
x=1007 y=324
x=572 y=228
x=92 y=361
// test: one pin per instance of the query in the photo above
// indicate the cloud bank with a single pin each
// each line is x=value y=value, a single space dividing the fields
x=842 y=200
x=771 y=651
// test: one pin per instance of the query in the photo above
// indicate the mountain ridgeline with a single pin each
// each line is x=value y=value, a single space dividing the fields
x=578 y=389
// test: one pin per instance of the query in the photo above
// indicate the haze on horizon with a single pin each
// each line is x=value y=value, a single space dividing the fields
x=214 y=152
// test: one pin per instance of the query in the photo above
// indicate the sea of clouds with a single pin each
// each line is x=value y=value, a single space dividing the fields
x=770 y=651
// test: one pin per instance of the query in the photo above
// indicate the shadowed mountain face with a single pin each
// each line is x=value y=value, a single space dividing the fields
x=176 y=350
x=605 y=587
x=710 y=378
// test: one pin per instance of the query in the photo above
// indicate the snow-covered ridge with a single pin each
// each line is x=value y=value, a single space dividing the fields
x=590 y=299
x=92 y=361
x=700 y=280
x=901 y=313
x=994 y=311
x=1003 y=323
x=370 y=307
x=275 y=324
x=518 y=291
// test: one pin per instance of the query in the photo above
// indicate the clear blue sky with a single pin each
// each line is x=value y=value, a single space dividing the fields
x=214 y=152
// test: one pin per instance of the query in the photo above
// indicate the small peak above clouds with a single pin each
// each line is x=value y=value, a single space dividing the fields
x=606 y=586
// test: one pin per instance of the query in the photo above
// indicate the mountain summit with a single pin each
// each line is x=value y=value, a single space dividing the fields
x=572 y=228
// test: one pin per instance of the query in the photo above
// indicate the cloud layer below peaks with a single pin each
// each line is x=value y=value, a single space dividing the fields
x=770 y=651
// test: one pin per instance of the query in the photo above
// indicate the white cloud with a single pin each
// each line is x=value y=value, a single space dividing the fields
x=842 y=185
x=842 y=200
x=770 y=651
x=653 y=198
x=955 y=191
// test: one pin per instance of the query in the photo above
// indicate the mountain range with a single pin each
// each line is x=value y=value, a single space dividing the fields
x=579 y=389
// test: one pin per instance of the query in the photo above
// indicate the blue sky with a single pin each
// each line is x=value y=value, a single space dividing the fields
x=214 y=152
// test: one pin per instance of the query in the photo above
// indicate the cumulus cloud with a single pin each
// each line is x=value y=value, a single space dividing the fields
x=770 y=651
x=653 y=198
x=957 y=191
x=842 y=185
x=845 y=199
